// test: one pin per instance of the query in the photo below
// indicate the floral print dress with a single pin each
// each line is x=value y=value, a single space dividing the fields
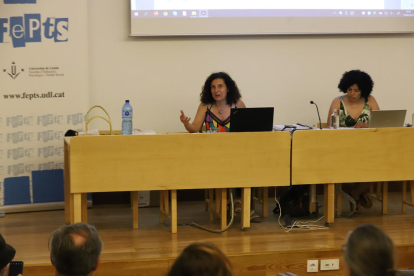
x=345 y=120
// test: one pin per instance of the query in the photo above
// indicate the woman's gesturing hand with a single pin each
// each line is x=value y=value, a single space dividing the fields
x=184 y=119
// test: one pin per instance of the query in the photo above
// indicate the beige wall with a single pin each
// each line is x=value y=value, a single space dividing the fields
x=160 y=76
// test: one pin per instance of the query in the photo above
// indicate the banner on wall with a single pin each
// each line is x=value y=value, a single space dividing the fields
x=43 y=93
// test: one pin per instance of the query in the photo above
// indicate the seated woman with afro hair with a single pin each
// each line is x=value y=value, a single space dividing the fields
x=356 y=106
x=355 y=111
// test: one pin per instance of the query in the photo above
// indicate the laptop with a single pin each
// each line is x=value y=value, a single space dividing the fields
x=387 y=118
x=251 y=119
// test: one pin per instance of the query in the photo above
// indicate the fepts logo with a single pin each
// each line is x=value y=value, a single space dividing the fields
x=19 y=120
x=29 y=28
x=14 y=72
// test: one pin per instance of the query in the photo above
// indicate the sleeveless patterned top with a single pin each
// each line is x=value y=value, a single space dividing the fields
x=345 y=120
x=211 y=120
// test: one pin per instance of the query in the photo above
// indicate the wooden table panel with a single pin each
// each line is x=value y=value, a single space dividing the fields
x=175 y=162
x=186 y=161
x=352 y=155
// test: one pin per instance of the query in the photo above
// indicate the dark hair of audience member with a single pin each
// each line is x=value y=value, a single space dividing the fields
x=201 y=259
x=369 y=252
x=72 y=258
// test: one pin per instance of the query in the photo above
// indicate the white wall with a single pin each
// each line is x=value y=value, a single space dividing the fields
x=160 y=76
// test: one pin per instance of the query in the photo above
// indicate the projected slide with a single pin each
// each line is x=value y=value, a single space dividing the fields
x=270 y=8
x=257 y=17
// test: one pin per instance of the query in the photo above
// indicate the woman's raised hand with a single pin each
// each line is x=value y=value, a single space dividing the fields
x=184 y=119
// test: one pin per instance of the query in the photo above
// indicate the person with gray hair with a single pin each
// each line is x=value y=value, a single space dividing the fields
x=369 y=252
x=75 y=249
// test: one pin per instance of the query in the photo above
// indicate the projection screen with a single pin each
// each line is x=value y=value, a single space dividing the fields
x=253 y=17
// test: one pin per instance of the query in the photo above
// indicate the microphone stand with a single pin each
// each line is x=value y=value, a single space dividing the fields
x=317 y=109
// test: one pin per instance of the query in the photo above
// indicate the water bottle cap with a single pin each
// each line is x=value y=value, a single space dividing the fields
x=127 y=101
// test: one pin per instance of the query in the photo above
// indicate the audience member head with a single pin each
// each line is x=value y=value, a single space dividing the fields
x=75 y=249
x=369 y=252
x=233 y=93
x=359 y=78
x=7 y=253
x=201 y=259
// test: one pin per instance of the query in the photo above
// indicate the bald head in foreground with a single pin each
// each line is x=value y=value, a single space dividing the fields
x=75 y=250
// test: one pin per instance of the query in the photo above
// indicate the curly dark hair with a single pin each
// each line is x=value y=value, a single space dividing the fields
x=233 y=94
x=358 y=77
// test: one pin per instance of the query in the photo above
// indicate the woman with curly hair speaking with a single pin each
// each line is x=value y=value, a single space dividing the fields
x=356 y=106
x=218 y=96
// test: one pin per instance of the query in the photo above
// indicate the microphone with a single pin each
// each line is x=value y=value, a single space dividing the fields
x=317 y=109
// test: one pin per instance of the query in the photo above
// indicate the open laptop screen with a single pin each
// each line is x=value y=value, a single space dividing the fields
x=387 y=118
x=251 y=119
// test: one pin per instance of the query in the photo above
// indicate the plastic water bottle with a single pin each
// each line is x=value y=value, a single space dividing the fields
x=127 y=118
x=335 y=119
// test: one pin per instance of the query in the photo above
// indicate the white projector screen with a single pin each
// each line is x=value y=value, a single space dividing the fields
x=253 y=17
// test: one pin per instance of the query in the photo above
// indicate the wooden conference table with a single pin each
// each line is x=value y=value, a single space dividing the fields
x=173 y=162
x=350 y=156
x=207 y=161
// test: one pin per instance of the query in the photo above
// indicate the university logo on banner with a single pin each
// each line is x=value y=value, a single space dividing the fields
x=14 y=72
x=44 y=94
